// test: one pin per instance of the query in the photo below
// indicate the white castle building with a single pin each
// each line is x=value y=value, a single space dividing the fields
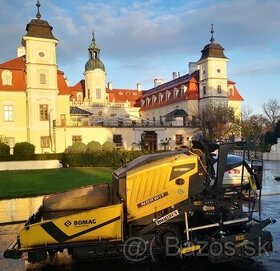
x=40 y=107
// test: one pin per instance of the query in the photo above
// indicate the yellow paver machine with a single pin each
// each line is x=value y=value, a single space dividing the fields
x=170 y=203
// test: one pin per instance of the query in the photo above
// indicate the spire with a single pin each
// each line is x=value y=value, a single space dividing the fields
x=93 y=36
x=94 y=61
x=38 y=15
x=212 y=34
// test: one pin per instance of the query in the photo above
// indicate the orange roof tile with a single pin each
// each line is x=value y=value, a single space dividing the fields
x=14 y=64
x=236 y=95
x=189 y=80
x=79 y=87
x=18 y=82
x=123 y=95
x=62 y=85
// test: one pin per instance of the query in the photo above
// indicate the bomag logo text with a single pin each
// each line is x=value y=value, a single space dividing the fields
x=84 y=222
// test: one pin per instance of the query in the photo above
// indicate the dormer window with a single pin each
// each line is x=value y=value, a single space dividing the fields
x=168 y=93
x=160 y=97
x=183 y=90
x=6 y=78
x=231 y=92
x=176 y=91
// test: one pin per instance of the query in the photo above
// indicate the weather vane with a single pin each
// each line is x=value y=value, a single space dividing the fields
x=38 y=15
x=212 y=34
x=93 y=34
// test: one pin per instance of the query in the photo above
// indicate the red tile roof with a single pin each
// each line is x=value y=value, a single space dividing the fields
x=62 y=85
x=123 y=95
x=17 y=67
x=192 y=93
x=79 y=87
x=236 y=95
x=14 y=64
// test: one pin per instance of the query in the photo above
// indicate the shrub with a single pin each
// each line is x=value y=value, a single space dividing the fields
x=24 y=148
x=4 y=149
x=109 y=146
x=94 y=146
x=77 y=147
x=99 y=159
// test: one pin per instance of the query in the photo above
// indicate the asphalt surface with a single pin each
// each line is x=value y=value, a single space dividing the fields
x=270 y=209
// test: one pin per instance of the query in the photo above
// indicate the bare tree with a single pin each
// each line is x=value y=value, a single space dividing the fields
x=218 y=122
x=271 y=110
x=253 y=127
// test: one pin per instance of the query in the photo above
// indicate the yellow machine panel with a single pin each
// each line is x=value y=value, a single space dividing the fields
x=96 y=224
x=159 y=185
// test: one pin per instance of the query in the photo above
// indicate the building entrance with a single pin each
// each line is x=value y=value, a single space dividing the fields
x=149 y=141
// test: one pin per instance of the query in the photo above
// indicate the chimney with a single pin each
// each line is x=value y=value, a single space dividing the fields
x=110 y=85
x=20 y=51
x=158 y=82
x=66 y=81
x=139 y=87
x=174 y=75
x=192 y=67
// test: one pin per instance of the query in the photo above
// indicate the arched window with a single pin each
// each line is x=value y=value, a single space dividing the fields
x=6 y=78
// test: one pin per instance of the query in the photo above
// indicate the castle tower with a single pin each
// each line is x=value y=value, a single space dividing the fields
x=95 y=75
x=41 y=79
x=213 y=74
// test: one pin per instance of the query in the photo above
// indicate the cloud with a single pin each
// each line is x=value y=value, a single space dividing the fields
x=257 y=68
x=145 y=35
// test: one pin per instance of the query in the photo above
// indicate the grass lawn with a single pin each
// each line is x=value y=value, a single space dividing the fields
x=23 y=183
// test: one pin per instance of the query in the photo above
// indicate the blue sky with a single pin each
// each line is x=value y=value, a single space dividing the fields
x=144 y=40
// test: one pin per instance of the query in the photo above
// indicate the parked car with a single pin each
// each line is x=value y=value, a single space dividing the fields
x=233 y=176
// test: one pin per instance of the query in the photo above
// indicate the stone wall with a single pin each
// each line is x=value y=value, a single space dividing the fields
x=23 y=165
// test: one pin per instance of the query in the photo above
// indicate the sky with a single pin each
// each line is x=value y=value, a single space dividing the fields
x=148 y=39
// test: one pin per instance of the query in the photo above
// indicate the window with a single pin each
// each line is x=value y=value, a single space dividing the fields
x=179 y=139
x=8 y=113
x=98 y=93
x=6 y=78
x=42 y=78
x=204 y=90
x=45 y=141
x=117 y=139
x=183 y=90
x=79 y=97
x=219 y=88
x=161 y=97
x=44 y=112
x=76 y=138
x=231 y=92
x=218 y=70
x=167 y=95
x=175 y=92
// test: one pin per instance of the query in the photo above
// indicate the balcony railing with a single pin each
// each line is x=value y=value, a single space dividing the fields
x=101 y=104
x=120 y=123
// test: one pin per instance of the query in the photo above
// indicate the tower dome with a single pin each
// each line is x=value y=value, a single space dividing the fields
x=212 y=49
x=94 y=61
x=39 y=28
